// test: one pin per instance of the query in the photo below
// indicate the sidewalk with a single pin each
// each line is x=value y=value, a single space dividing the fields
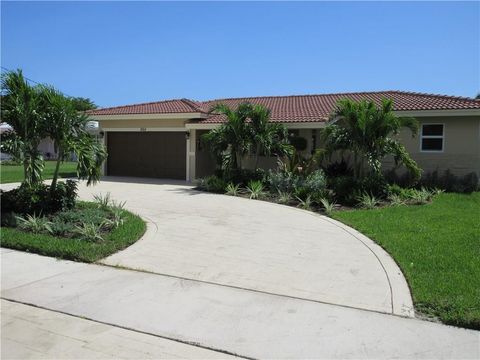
x=244 y=322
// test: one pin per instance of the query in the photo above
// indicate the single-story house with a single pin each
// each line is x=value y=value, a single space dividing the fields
x=162 y=139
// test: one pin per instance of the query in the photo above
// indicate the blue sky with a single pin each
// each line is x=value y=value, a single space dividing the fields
x=124 y=52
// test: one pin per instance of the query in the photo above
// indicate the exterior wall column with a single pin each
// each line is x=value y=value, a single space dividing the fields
x=191 y=149
x=103 y=141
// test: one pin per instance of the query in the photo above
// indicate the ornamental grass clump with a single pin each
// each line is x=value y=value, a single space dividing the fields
x=255 y=188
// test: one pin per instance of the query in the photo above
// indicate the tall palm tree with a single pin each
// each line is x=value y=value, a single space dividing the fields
x=267 y=137
x=20 y=104
x=369 y=133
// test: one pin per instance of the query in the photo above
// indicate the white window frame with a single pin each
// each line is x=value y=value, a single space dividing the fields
x=432 y=137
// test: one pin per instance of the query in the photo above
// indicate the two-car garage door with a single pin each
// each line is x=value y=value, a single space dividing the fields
x=147 y=154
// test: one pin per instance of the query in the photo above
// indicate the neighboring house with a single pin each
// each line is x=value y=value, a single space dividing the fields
x=46 y=146
x=161 y=139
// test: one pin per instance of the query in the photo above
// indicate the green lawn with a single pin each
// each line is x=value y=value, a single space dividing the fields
x=75 y=249
x=437 y=246
x=14 y=173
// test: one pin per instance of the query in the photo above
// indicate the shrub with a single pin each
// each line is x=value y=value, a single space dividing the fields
x=298 y=142
x=345 y=189
x=243 y=176
x=367 y=201
x=87 y=214
x=420 y=197
x=39 y=199
x=283 y=181
x=338 y=168
x=255 y=189
x=212 y=184
x=396 y=200
x=314 y=185
x=232 y=189
x=62 y=229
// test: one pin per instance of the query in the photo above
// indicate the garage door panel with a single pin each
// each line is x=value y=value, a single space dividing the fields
x=147 y=154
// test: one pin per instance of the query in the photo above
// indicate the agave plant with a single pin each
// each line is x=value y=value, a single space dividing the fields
x=232 y=189
x=284 y=197
x=367 y=201
x=327 y=205
x=35 y=224
x=255 y=189
x=89 y=232
x=305 y=204
x=103 y=201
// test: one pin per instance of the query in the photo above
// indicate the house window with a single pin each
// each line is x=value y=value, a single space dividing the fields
x=432 y=137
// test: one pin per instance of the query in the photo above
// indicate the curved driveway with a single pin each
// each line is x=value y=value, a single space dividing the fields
x=254 y=245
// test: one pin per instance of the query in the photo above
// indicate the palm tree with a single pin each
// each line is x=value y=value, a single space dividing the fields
x=230 y=141
x=267 y=137
x=67 y=128
x=368 y=132
x=20 y=104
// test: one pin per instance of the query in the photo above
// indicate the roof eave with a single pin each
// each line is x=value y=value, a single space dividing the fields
x=186 y=116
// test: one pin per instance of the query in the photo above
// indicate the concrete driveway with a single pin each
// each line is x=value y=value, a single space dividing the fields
x=254 y=245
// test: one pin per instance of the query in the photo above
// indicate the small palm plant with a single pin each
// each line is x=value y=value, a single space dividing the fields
x=305 y=204
x=327 y=206
x=232 y=189
x=255 y=189
x=367 y=201
x=89 y=232
x=34 y=224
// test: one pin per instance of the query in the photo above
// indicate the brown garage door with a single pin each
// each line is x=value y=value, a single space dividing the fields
x=147 y=154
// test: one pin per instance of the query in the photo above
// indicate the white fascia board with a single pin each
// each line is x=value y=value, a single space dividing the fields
x=289 y=125
x=185 y=116
x=427 y=113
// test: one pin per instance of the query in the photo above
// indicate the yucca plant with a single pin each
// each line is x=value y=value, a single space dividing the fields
x=102 y=201
x=305 y=204
x=232 y=189
x=328 y=206
x=89 y=232
x=255 y=189
x=284 y=197
x=34 y=224
x=367 y=201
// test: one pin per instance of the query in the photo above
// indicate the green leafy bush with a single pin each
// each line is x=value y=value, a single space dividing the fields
x=39 y=199
x=212 y=183
x=243 y=176
x=367 y=201
x=314 y=185
x=283 y=181
x=89 y=232
x=284 y=197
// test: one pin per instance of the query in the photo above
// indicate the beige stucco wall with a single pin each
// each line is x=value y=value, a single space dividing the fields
x=461 y=153
x=138 y=124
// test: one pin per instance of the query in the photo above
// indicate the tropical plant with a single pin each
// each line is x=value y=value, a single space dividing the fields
x=67 y=127
x=232 y=189
x=306 y=203
x=212 y=183
x=420 y=197
x=247 y=126
x=89 y=232
x=266 y=138
x=35 y=224
x=327 y=205
x=20 y=109
x=229 y=142
x=369 y=133
x=255 y=189
x=367 y=201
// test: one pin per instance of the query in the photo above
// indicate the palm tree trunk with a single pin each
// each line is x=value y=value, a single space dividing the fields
x=57 y=168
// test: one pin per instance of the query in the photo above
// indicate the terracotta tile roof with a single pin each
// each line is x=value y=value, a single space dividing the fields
x=299 y=108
